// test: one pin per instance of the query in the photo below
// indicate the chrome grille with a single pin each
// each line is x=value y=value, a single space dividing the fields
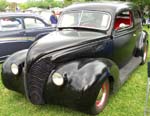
x=36 y=80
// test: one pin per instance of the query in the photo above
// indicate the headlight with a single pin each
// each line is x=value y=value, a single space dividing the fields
x=15 y=69
x=57 y=79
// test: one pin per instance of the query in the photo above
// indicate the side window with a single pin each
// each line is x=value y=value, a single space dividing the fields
x=31 y=23
x=10 y=24
x=123 y=20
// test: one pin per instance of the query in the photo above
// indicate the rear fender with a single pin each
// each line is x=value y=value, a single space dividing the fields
x=141 y=42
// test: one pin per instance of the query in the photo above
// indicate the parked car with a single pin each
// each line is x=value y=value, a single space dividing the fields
x=92 y=52
x=18 y=31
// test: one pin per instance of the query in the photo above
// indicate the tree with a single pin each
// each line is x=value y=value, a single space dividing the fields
x=41 y=4
x=3 y=5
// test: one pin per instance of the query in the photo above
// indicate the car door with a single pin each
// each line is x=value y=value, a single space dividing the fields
x=124 y=37
x=35 y=26
x=11 y=36
x=138 y=27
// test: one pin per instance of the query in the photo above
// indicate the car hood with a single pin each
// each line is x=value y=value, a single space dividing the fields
x=60 y=40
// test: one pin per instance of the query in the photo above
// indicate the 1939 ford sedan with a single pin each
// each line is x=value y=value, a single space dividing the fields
x=92 y=52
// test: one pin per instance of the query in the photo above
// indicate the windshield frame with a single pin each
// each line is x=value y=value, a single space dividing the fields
x=79 y=26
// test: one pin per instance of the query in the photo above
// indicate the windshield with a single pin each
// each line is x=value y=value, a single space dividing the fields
x=87 y=19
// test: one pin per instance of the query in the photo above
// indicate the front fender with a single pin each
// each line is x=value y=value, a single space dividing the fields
x=83 y=79
x=11 y=81
x=92 y=67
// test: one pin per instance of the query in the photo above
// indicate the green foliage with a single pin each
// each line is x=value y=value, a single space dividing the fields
x=69 y=2
x=56 y=4
x=3 y=5
x=41 y=4
x=32 y=3
x=49 y=1
x=24 y=6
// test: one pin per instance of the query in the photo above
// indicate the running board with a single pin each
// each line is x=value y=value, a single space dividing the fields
x=128 y=68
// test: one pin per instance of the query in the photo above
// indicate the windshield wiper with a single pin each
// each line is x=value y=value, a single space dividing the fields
x=82 y=28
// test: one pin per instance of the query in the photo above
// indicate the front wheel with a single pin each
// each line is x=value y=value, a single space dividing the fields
x=144 y=52
x=102 y=98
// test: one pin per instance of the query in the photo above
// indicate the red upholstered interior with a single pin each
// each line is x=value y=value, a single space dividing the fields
x=118 y=21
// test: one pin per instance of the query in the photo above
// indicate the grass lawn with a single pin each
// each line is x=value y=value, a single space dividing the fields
x=129 y=101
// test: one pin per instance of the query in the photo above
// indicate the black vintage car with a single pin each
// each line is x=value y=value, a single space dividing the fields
x=19 y=30
x=92 y=52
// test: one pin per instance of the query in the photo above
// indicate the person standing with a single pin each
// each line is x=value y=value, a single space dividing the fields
x=53 y=19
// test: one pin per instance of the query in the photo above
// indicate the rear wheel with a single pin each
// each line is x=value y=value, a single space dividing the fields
x=144 y=52
x=102 y=98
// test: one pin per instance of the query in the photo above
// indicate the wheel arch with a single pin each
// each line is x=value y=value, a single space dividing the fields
x=111 y=81
x=141 y=42
x=114 y=77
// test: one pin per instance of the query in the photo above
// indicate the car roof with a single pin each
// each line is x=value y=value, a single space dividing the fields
x=109 y=6
x=14 y=14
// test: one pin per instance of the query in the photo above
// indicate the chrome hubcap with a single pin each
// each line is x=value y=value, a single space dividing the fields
x=102 y=95
x=145 y=53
